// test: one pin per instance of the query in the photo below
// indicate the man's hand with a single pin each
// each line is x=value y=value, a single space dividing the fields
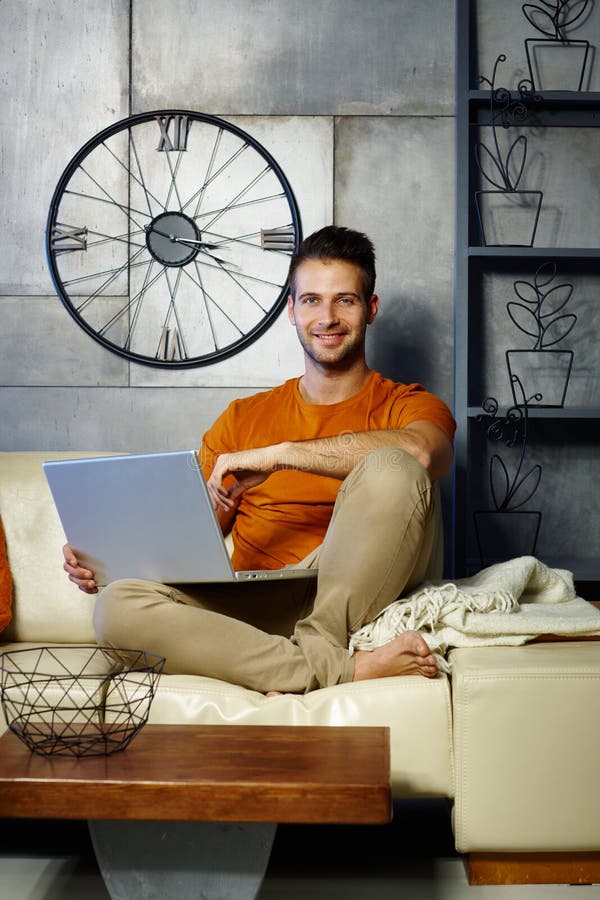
x=83 y=578
x=249 y=468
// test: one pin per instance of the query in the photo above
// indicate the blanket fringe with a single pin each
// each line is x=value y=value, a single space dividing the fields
x=446 y=613
x=423 y=610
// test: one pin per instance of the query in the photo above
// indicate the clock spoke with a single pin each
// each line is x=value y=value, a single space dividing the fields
x=125 y=208
x=138 y=308
x=206 y=306
x=241 y=286
x=137 y=298
x=119 y=238
x=232 y=203
x=122 y=206
x=207 y=176
x=114 y=273
x=249 y=240
x=217 y=213
x=216 y=304
x=128 y=169
x=173 y=179
x=223 y=268
x=225 y=166
x=172 y=340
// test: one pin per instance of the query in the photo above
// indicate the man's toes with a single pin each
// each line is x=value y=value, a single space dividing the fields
x=417 y=644
x=427 y=665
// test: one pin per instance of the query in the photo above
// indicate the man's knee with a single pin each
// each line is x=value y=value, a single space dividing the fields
x=392 y=471
x=112 y=608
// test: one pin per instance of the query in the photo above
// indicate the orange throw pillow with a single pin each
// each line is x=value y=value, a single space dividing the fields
x=5 y=583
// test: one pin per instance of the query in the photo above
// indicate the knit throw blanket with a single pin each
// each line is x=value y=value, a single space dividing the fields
x=506 y=604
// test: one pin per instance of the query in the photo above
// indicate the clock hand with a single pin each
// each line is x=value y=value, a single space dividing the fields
x=190 y=242
x=178 y=240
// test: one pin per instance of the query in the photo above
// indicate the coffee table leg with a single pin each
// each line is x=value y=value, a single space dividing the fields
x=183 y=860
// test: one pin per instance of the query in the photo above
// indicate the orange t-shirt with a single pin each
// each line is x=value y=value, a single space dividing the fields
x=281 y=520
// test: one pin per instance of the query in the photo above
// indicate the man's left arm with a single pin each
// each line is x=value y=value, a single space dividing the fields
x=334 y=457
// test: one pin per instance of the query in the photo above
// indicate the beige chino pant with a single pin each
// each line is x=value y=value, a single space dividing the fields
x=384 y=538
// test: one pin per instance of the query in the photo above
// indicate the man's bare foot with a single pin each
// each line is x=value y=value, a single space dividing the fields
x=407 y=654
x=273 y=694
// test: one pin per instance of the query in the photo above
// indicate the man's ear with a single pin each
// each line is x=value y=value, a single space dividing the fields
x=290 y=309
x=373 y=308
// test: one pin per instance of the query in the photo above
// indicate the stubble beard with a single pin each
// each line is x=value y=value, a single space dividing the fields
x=342 y=357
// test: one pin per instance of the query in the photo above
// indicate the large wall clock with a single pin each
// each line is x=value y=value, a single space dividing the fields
x=169 y=238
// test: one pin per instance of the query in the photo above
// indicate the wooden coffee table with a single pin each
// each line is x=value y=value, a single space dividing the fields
x=190 y=807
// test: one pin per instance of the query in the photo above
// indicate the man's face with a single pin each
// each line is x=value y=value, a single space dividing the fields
x=330 y=312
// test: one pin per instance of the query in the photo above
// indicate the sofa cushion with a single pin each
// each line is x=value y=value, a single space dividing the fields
x=416 y=709
x=46 y=606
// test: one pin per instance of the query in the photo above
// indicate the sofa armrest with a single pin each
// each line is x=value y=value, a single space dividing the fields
x=526 y=731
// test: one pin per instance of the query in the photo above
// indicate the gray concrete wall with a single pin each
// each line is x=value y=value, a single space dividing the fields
x=354 y=99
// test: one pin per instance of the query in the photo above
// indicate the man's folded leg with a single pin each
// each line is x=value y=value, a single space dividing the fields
x=383 y=540
x=200 y=629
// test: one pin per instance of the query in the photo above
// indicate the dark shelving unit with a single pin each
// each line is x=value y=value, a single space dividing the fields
x=556 y=109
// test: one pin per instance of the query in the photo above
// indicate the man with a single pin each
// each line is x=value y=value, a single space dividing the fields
x=334 y=470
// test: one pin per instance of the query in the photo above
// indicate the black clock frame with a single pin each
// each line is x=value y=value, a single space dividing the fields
x=286 y=239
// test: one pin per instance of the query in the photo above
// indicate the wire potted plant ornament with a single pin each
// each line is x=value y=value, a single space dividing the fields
x=507 y=530
x=543 y=372
x=508 y=215
x=556 y=63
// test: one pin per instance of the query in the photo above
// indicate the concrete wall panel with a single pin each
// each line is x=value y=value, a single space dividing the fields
x=280 y=57
x=395 y=181
x=120 y=419
x=63 y=76
x=41 y=345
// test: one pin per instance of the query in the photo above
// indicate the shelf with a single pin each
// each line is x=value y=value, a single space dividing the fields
x=548 y=412
x=588 y=99
x=534 y=252
x=562 y=109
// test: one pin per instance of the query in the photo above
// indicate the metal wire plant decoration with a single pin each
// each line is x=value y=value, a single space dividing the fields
x=552 y=19
x=540 y=316
x=504 y=169
x=509 y=492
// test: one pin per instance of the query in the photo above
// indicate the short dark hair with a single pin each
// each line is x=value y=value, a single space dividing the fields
x=336 y=242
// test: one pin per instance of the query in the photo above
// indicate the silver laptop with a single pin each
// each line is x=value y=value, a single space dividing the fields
x=146 y=516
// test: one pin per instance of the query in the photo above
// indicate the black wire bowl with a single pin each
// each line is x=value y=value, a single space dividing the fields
x=77 y=700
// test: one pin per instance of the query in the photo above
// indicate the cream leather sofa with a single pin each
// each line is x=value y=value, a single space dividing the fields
x=511 y=738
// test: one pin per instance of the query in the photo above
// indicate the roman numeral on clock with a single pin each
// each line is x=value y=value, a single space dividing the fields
x=278 y=238
x=169 y=347
x=67 y=237
x=173 y=132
